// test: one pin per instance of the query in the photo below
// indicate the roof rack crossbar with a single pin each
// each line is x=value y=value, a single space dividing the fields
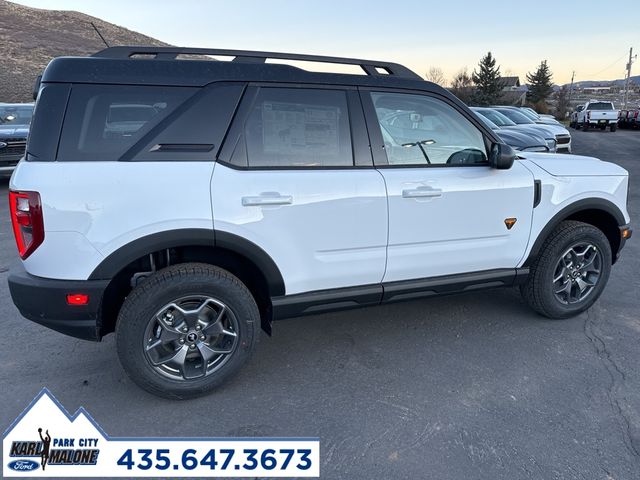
x=370 y=67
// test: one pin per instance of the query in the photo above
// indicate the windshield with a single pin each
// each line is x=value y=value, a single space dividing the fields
x=16 y=114
x=487 y=122
x=496 y=117
x=600 y=106
x=516 y=117
x=529 y=114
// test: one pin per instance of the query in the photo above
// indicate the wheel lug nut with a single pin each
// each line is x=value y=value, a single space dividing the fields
x=181 y=340
x=185 y=329
x=198 y=327
x=202 y=337
x=192 y=346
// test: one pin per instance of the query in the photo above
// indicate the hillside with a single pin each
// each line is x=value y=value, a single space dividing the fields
x=31 y=37
x=634 y=79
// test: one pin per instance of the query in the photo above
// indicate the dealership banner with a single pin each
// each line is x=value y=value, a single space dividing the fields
x=46 y=441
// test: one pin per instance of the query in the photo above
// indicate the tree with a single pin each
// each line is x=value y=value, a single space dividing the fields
x=435 y=75
x=462 y=86
x=562 y=105
x=540 y=84
x=487 y=81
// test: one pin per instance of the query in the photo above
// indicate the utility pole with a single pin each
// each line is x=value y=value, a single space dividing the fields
x=573 y=74
x=626 y=81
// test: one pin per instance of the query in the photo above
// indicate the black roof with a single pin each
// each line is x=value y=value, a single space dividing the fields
x=510 y=81
x=160 y=66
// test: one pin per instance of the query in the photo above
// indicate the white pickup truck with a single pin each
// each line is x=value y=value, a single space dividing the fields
x=598 y=114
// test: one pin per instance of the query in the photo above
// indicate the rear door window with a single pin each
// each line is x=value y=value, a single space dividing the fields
x=103 y=121
x=299 y=127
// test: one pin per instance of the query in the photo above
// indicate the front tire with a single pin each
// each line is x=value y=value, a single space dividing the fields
x=570 y=272
x=186 y=329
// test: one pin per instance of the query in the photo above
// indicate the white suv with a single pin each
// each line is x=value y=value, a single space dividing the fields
x=186 y=204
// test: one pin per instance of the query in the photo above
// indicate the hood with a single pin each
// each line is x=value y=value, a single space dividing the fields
x=557 y=129
x=534 y=129
x=19 y=131
x=519 y=140
x=560 y=165
x=548 y=121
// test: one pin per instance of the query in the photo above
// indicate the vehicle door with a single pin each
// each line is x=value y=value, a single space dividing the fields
x=449 y=211
x=295 y=178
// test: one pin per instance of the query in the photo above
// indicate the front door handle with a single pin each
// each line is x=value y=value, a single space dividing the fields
x=267 y=199
x=422 y=192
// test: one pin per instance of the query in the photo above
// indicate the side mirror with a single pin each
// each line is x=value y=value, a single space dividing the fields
x=502 y=156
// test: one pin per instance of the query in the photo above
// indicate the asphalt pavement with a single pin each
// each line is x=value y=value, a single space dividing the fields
x=475 y=386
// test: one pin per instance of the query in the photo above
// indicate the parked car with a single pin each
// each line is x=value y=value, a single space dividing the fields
x=562 y=135
x=596 y=113
x=633 y=118
x=256 y=191
x=505 y=123
x=622 y=118
x=536 y=117
x=14 y=129
x=629 y=118
x=517 y=140
x=573 y=118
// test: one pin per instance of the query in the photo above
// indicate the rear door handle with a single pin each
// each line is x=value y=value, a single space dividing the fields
x=267 y=199
x=421 y=192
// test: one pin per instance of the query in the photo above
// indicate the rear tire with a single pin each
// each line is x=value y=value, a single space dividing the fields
x=613 y=127
x=576 y=255
x=585 y=126
x=186 y=329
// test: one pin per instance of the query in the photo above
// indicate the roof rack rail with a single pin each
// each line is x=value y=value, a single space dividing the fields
x=370 y=67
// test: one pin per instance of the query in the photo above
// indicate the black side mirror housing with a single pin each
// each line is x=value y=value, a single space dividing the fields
x=502 y=156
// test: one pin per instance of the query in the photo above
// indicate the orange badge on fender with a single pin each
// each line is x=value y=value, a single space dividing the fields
x=510 y=222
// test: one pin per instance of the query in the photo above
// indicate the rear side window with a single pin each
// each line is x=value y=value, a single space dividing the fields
x=296 y=127
x=103 y=121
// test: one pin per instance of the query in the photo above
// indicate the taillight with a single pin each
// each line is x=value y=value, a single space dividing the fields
x=26 y=218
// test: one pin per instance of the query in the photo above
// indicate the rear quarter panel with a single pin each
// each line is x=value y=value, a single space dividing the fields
x=91 y=209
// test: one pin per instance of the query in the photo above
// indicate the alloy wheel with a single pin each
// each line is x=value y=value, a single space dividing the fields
x=191 y=337
x=577 y=273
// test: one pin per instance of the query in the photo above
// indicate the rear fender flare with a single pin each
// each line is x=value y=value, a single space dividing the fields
x=123 y=256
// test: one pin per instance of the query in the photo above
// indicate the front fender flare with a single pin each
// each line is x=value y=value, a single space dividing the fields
x=585 y=204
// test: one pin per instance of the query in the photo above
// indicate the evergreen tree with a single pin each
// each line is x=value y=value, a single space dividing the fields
x=487 y=81
x=540 y=84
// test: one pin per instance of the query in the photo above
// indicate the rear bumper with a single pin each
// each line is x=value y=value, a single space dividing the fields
x=44 y=301
x=602 y=121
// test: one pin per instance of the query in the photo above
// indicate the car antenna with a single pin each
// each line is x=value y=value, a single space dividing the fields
x=99 y=34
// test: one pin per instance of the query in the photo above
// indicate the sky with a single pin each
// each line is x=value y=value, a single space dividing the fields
x=589 y=37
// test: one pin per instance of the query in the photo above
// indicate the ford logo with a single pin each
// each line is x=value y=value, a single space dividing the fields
x=3 y=144
x=23 y=465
